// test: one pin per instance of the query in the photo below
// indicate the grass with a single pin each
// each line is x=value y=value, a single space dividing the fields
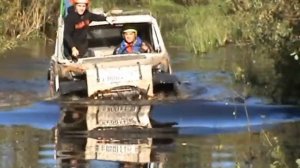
x=210 y=26
x=22 y=20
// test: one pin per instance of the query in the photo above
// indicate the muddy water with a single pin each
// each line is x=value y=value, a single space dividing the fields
x=216 y=127
x=220 y=75
x=23 y=75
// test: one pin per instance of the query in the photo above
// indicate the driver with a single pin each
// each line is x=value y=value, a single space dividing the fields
x=132 y=43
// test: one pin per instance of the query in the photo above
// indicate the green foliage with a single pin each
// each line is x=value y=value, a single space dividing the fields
x=23 y=19
x=258 y=22
x=203 y=25
x=275 y=151
x=6 y=44
x=111 y=4
x=192 y=2
x=171 y=18
x=208 y=27
x=200 y=25
x=274 y=25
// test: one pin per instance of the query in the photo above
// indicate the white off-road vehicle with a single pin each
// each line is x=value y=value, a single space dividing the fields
x=103 y=74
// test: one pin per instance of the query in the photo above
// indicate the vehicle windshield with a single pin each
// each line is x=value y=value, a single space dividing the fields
x=104 y=36
x=111 y=35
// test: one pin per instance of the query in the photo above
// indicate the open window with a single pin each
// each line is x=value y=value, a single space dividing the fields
x=103 y=39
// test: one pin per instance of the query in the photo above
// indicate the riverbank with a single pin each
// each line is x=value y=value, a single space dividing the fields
x=23 y=20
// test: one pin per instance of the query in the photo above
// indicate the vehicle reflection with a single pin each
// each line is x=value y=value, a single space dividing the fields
x=120 y=136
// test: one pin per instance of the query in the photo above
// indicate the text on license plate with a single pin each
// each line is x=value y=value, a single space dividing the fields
x=117 y=148
x=117 y=75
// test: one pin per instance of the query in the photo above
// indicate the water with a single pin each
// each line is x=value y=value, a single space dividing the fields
x=180 y=134
x=23 y=75
x=218 y=126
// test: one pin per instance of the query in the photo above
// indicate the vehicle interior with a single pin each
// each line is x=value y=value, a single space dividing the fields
x=103 y=39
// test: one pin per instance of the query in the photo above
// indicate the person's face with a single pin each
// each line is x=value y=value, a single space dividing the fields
x=129 y=37
x=80 y=8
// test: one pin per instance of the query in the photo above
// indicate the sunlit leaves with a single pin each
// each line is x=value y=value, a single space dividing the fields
x=298 y=162
x=295 y=55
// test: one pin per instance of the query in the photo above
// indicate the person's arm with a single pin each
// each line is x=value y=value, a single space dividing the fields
x=116 y=50
x=146 y=47
x=97 y=17
x=68 y=30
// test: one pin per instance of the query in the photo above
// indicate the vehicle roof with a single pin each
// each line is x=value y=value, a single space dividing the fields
x=139 y=16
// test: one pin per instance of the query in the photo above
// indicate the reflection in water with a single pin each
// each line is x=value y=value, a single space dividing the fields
x=182 y=134
x=111 y=136
x=17 y=141
x=285 y=87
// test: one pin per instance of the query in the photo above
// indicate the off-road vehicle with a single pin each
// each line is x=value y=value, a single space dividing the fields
x=103 y=74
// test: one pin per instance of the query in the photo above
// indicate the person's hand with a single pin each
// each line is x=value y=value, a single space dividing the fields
x=110 y=19
x=145 y=48
x=75 y=52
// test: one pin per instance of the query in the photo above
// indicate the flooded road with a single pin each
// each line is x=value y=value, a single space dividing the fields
x=218 y=126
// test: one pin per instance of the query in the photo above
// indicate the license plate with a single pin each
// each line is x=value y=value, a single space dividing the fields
x=117 y=148
x=139 y=152
x=118 y=122
x=124 y=115
x=118 y=75
x=116 y=116
x=118 y=109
